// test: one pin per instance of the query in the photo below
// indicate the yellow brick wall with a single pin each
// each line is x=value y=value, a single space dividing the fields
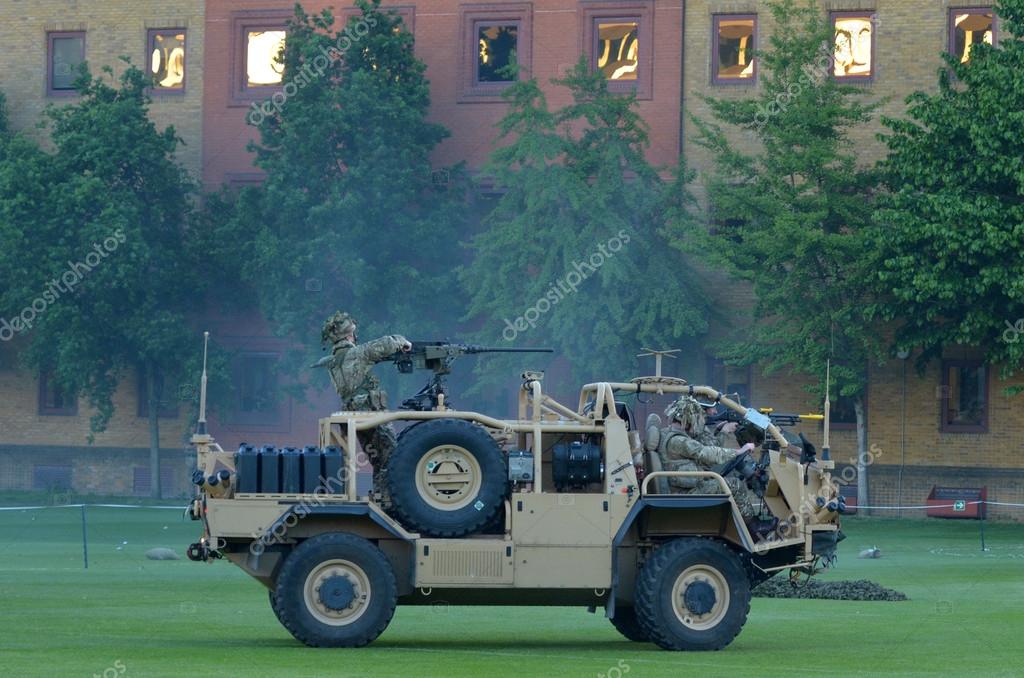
x=21 y=423
x=113 y=28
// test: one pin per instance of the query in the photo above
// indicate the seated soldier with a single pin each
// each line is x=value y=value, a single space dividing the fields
x=686 y=445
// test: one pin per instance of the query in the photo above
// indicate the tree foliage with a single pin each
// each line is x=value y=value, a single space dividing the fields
x=792 y=216
x=572 y=254
x=95 y=271
x=951 y=228
x=351 y=214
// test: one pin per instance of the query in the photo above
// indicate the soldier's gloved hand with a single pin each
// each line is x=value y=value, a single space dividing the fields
x=406 y=347
x=746 y=448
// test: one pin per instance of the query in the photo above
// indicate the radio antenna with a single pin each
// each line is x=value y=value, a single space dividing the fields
x=201 y=427
x=824 y=443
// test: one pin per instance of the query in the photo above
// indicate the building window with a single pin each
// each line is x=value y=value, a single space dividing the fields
x=620 y=40
x=496 y=52
x=259 y=38
x=495 y=49
x=842 y=415
x=54 y=400
x=854 y=45
x=258 y=401
x=964 y=396
x=733 y=52
x=970 y=27
x=166 y=49
x=51 y=477
x=732 y=381
x=66 y=52
x=166 y=394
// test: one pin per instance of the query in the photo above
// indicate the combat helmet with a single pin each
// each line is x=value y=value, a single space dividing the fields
x=689 y=412
x=337 y=327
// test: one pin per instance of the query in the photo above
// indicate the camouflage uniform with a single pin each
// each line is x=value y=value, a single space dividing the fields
x=699 y=450
x=350 y=367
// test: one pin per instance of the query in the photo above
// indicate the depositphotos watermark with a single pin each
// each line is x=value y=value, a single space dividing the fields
x=565 y=285
x=311 y=70
x=65 y=283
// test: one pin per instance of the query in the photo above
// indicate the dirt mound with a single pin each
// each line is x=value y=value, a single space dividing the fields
x=861 y=589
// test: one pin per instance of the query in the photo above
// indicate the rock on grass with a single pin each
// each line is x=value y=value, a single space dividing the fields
x=162 y=554
x=861 y=589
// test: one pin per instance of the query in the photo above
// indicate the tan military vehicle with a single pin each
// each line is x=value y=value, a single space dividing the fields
x=559 y=506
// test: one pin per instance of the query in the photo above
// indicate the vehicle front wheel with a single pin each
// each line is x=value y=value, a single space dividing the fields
x=692 y=594
x=335 y=590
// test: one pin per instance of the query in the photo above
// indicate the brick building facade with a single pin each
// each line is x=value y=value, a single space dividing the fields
x=948 y=426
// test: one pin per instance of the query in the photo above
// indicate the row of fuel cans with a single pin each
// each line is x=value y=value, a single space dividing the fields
x=289 y=470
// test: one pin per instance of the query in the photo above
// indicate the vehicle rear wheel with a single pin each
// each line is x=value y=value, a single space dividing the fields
x=446 y=478
x=626 y=623
x=273 y=604
x=692 y=594
x=335 y=590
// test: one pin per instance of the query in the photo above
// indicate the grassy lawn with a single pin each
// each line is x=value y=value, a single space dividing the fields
x=131 y=617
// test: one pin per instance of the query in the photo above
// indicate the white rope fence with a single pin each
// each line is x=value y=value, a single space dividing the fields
x=936 y=506
x=118 y=506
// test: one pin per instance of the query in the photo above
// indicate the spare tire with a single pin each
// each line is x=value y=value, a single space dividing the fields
x=446 y=478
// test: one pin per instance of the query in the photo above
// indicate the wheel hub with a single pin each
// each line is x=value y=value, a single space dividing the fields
x=699 y=597
x=337 y=593
x=448 y=477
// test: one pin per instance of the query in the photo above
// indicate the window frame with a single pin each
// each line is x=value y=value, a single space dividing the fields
x=848 y=425
x=501 y=14
x=714 y=365
x=241 y=23
x=641 y=11
x=52 y=36
x=945 y=427
x=44 y=410
x=277 y=420
x=151 y=34
x=715 y=57
x=872 y=14
x=169 y=405
x=951 y=19
x=406 y=12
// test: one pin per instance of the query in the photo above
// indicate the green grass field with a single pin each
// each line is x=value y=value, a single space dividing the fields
x=128 y=616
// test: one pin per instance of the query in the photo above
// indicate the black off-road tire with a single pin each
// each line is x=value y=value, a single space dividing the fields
x=328 y=561
x=677 y=577
x=446 y=448
x=626 y=623
x=273 y=604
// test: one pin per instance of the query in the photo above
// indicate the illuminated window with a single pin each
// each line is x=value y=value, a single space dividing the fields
x=66 y=54
x=262 y=67
x=970 y=27
x=496 y=52
x=167 y=60
x=495 y=49
x=619 y=37
x=258 y=40
x=854 y=44
x=964 y=396
x=733 y=54
x=617 y=51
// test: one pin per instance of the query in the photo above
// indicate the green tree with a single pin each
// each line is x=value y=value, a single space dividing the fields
x=572 y=254
x=351 y=214
x=792 y=217
x=94 y=271
x=951 y=227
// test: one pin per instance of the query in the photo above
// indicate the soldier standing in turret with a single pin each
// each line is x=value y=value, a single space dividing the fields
x=350 y=366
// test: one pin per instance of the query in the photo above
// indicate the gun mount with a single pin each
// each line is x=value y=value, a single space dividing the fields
x=438 y=357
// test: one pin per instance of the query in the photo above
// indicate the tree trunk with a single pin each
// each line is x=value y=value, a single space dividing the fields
x=862 y=454
x=153 y=410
